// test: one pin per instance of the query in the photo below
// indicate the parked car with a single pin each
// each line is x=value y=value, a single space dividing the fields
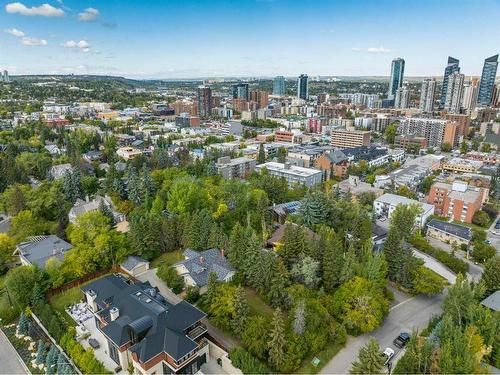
x=402 y=340
x=387 y=354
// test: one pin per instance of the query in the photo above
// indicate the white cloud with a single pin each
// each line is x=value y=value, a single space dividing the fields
x=14 y=32
x=33 y=41
x=378 y=50
x=355 y=49
x=83 y=45
x=44 y=10
x=88 y=15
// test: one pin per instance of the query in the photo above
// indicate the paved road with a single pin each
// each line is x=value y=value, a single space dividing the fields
x=494 y=238
x=9 y=360
x=436 y=266
x=413 y=313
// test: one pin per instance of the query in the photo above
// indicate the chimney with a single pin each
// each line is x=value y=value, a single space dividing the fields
x=114 y=313
x=201 y=260
x=87 y=198
x=55 y=250
x=222 y=252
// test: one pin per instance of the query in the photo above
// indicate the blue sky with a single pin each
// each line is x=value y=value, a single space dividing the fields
x=184 y=38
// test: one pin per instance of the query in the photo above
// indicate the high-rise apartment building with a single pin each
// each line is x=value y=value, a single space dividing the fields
x=427 y=94
x=240 y=91
x=488 y=80
x=204 y=101
x=435 y=131
x=396 y=78
x=303 y=87
x=454 y=92
x=260 y=97
x=402 y=100
x=451 y=68
x=279 y=86
x=469 y=98
x=4 y=77
x=495 y=102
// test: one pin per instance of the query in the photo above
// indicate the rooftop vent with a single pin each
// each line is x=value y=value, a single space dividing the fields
x=148 y=300
x=138 y=294
x=114 y=313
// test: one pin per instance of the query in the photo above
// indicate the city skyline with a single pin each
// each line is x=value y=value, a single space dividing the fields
x=258 y=38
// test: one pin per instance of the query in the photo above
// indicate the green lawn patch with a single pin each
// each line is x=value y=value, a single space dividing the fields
x=257 y=305
x=61 y=301
x=168 y=258
x=324 y=356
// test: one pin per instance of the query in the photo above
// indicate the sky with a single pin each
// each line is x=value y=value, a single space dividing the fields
x=245 y=38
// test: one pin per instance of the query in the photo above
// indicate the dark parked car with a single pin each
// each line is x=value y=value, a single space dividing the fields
x=402 y=340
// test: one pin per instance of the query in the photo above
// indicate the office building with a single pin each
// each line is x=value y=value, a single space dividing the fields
x=427 y=94
x=303 y=87
x=260 y=97
x=387 y=203
x=458 y=201
x=292 y=174
x=469 y=97
x=451 y=68
x=488 y=80
x=402 y=100
x=279 y=86
x=240 y=91
x=453 y=100
x=204 y=101
x=396 y=78
x=349 y=139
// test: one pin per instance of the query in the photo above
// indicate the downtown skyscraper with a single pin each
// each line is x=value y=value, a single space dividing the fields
x=402 y=100
x=204 y=101
x=279 y=86
x=469 y=98
x=487 y=83
x=427 y=94
x=454 y=92
x=303 y=87
x=396 y=78
x=451 y=68
x=240 y=91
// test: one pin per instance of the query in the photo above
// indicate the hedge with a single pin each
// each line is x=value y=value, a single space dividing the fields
x=247 y=362
x=452 y=262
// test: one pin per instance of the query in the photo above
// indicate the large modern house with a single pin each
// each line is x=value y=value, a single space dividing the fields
x=143 y=329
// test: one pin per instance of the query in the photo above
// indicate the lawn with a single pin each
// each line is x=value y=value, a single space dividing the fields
x=324 y=356
x=169 y=258
x=257 y=305
x=60 y=301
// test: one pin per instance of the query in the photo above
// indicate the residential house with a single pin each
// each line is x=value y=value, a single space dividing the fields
x=356 y=187
x=83 y=206
x=39 y=249
x=449 y=232
x=197 y=266
x=140 y=328
x=57 y=172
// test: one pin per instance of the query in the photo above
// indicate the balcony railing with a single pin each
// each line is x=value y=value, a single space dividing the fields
x=197 y=331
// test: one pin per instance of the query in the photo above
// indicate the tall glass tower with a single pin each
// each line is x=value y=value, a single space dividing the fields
x=451 y=68
x=396 y=78
x=279 y=86
x=488 y=80
x=303 y=87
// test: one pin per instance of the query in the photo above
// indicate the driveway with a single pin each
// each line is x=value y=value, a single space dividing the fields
x=410 y=314
x=220 y=338
x=10 y=363
x=494 y=238
x=436 y=266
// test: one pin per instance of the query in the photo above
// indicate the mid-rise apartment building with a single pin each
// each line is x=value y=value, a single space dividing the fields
x=293 y=174
x=387 y=203
x=348 y=139
x=235 y=168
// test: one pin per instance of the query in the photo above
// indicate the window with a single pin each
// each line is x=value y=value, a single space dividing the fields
x=113 y=352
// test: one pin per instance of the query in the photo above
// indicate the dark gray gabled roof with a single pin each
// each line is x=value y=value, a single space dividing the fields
x=201 y=264
x=145 y=314
x=460 y=231
x=336 y=156
x=493 y=301
x=132 y=262
x=39 y=249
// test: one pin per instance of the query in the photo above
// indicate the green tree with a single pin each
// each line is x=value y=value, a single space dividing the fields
x=463 y=147
x=446 y=147
x=23 y=324
x=19 y=282
x=40 y=353
x=277 y=291
x=491 y=275
x=261 y=158
x=333 y=258
x=134 y=188
x=390 y=133
x=418 y=356
x=276 y=344
x=242 y=310
x=255 y=336
x=314 y=208
x=483 y=252
x=369 y=360
x=481 y=218
x=428 y=282
x=7 y=247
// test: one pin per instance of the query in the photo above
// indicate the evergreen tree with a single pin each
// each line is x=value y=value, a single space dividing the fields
x=277 y=291
x=294 y=244
x=347 y=272
x=299 y=320
x=241 y=309
x=238 y=240
x=51 y=359
x=105 y=210
x=72 y=185
x=40 y=354
x=134 y=190
x=333 y=259
x=491 y=275
x=146 y=236
x=211 y=168
x=276 y=344
x=31 y=330
x=120 y=188
x=38 y=298
x=369 y=360
x=110 y=177
x=261 y=157
x=212 y=287
x=61 y=364
x=23 y=324
x=147 y=185
x=314 y=209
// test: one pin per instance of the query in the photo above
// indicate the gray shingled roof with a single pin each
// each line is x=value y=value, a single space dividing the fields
x=132 y=262
x=201 y=264
x=39 y=249
x=493 y=301
x=454 y=229
x=159 y=324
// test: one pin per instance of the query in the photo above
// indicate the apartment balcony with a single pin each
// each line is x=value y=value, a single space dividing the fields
x=196 y=331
